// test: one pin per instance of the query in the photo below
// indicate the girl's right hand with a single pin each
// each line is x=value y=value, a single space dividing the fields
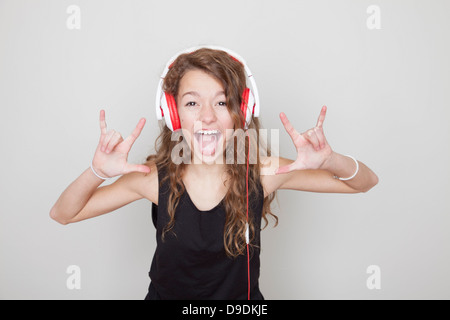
x=111 y=156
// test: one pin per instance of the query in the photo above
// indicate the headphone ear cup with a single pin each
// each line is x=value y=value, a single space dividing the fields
x=247 y=106
x=170 y=112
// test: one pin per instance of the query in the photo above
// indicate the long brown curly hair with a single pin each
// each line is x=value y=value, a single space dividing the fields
x=231 y=74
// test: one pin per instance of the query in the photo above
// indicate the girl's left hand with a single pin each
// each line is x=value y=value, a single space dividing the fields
x=313 y=150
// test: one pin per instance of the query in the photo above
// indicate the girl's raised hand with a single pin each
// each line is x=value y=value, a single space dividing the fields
x=313 y=149
x=111 y=155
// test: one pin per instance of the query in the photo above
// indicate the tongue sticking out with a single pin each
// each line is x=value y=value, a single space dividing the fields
x=207 y=143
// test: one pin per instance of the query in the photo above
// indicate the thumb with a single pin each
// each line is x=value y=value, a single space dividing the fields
x=284 y=169
x=136 y=168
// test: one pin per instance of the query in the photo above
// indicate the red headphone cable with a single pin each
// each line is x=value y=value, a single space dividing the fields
x=247 y=232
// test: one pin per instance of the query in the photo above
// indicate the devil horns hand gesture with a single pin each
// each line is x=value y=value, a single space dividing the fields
x=111 y=156
x=313 y=149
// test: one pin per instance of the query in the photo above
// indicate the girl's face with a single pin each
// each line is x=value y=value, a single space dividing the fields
x=204 y=115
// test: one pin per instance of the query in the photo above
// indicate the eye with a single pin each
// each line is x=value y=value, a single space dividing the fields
x=222 y=104
x=191 y=104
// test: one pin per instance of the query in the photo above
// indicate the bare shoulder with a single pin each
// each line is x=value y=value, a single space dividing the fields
x=269 y=180
x=145 y=184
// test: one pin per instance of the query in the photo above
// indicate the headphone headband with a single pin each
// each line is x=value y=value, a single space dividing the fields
x=233 y=54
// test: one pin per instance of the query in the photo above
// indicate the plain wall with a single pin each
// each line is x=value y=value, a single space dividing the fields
x=387 y=92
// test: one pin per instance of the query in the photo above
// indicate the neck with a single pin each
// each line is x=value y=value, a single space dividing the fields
x=204 y=170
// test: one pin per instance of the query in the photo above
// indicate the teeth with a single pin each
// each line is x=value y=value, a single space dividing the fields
x=208 y=131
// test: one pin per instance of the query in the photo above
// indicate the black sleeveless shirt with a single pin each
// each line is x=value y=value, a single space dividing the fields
x=191 y=262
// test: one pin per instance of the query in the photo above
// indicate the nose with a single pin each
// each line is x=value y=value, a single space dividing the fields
x=207 y=114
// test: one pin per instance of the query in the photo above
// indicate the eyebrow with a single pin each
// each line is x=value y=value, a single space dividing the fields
x=196 y=94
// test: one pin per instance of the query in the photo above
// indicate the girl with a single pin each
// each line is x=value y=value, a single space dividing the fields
x=207 y=210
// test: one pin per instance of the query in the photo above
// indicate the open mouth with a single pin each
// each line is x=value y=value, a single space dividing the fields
x=207 y=141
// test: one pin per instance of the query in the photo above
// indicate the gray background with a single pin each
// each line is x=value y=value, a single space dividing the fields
x=387 y=93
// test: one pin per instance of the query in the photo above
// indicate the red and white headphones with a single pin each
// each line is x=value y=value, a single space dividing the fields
x=166 y=106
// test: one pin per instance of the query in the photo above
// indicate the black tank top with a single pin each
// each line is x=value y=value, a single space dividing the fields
x=191 y=263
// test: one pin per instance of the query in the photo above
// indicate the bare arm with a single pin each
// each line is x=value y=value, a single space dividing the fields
x=321 y=180
x=343 y=166
x=81 y=200
x=75 y=197
x=84 y=199
x=317 y=164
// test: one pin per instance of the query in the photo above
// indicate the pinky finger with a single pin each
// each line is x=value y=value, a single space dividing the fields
x=102 y=122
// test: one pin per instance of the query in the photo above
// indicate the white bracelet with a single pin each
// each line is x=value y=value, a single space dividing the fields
x=103 y=178
x=356 y=171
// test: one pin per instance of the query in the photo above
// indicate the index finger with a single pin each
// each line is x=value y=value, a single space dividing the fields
x=102 y=122
x=129 y=141
x=288 y=126
x=323 y=112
